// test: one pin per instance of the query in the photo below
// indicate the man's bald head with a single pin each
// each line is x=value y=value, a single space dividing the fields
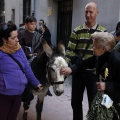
x=91 y=12
x=92 y=4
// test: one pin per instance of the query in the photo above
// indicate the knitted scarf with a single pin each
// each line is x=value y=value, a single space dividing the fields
x=10 y=49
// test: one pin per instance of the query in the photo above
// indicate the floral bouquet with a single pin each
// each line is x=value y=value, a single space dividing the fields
x=98 y=111
x=102 y=107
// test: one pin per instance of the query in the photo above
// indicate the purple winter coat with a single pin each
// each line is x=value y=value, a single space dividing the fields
x=12 y=79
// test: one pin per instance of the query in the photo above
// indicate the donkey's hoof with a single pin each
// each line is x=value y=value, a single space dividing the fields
x=24 y=116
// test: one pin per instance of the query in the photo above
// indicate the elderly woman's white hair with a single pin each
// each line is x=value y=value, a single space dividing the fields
x=104 y=39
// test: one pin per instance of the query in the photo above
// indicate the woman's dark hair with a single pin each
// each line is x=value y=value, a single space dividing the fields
x=10 y=22
x=42 y=20
x=5 y=31
x=22 y=24
x=118 y=33
x=30 y=19
x=44 y=26
x=118 y=25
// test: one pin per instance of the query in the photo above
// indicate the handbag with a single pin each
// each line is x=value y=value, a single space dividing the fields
x=27 y=95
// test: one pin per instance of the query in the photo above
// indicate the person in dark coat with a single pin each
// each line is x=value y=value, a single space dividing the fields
x=29 y=39
x=117 y=37
x=116 y=30
x=104 y=59
x=46 y=34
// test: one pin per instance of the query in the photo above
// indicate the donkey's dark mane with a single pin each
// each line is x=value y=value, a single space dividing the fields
x=39 y=65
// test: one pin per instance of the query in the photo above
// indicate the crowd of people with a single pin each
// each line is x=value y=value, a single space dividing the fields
x=91 y=49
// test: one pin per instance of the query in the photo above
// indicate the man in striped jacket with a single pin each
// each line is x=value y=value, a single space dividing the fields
x=80 y=45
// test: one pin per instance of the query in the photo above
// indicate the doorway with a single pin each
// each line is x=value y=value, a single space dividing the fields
x=64 y=20
x=26 y=9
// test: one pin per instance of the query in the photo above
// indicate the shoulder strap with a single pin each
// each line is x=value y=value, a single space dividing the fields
x=37 y=37
x=88 y=43
x=19 y=64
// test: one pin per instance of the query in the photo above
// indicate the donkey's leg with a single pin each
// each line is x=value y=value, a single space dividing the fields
x=39 y=106
x=26 y=107
x=40 y=100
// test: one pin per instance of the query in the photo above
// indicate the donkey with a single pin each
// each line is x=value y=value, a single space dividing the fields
x=46 y=68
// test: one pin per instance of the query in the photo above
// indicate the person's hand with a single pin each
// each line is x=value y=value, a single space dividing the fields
x=40 y=87
x=65 y=70
x=34 y=54
x=30 y=55
x=101 y=86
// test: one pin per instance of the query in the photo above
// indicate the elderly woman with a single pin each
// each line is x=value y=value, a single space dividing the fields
x=107 y=64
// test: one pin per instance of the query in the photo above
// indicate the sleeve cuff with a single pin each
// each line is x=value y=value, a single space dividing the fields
x=74 y=68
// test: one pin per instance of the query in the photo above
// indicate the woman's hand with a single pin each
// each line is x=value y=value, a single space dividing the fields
x=34 y=54
x=101 y=86
x=40 y=87
x=65 y=70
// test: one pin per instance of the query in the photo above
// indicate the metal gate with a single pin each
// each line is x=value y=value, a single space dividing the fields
x=64 y=20
x=26 y=8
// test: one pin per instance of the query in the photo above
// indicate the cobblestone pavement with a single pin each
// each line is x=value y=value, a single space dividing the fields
x=56 y=107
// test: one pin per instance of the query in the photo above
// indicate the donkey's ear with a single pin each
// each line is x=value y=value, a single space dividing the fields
x=61 y=47
x=47 y=48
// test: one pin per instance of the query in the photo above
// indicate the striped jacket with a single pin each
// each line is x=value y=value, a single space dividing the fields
x=79 y=40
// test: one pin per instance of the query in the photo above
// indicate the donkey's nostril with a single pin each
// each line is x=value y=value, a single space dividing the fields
x=57 y=91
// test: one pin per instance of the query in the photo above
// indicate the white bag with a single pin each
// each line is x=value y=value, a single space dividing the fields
x=106 y=101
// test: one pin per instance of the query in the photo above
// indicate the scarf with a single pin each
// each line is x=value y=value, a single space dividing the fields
x=10 y=49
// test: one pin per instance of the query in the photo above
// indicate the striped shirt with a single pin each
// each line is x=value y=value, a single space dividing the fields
x=79 y=39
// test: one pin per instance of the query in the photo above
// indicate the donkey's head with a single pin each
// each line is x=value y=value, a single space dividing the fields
x=56 y=61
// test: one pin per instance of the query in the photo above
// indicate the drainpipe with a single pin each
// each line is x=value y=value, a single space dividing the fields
x=32 y=7
x=119 y=12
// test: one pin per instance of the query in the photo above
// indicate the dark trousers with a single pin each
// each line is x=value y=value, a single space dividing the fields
x=79 y=82
x=117 y=107
x=9 y=106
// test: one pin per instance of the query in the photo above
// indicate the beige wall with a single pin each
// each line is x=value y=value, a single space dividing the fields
x=47 y=10
x=109 y=13
x=16 y=7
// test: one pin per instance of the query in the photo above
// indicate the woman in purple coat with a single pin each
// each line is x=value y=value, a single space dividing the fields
x=12 y=79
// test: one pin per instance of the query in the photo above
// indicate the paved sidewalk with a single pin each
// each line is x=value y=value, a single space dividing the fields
x=56 y=107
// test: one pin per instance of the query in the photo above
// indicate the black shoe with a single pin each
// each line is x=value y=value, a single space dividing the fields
x=49 y=93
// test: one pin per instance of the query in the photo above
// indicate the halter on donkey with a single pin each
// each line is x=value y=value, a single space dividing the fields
x=46 y=68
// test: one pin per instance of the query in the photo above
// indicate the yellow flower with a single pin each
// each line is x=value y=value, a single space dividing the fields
x=106 y=73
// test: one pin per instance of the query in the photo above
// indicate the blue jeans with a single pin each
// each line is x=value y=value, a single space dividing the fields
x=80 y=81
